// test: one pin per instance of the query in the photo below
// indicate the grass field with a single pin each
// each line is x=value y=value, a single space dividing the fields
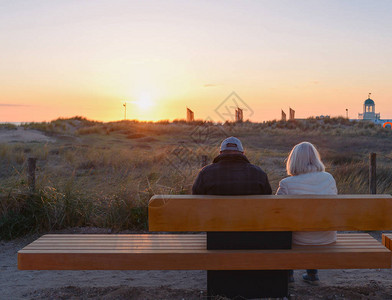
x=103 y=174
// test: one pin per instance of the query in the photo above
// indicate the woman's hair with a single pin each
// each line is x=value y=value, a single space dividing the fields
x=304 y=158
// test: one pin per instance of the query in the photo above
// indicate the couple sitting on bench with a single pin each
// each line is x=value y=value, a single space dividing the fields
x=231 y=173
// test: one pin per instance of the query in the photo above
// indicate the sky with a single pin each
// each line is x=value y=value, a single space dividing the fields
x=70 y=57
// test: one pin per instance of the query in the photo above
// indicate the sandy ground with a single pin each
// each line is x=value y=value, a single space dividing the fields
x=15 y=284
x=22 y=135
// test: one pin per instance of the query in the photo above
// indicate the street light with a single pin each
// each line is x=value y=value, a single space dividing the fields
x=125 y=110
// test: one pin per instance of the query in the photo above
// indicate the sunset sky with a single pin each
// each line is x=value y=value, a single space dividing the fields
x=72 y=57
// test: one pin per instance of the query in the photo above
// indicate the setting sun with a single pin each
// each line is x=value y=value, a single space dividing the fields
x=144 y=102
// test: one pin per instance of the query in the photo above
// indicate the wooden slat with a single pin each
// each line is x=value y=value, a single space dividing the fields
x=150 y=252
x=270 y=213
x=119 y=236
x=387 y=240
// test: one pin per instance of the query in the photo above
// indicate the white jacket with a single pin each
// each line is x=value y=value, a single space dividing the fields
x=315 y=183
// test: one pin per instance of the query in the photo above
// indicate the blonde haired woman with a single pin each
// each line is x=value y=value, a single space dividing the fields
x=308 y=176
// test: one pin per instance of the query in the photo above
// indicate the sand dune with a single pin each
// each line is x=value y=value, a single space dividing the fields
x=23 y=135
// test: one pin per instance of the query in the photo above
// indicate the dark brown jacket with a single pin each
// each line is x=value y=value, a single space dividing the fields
x=231 y=174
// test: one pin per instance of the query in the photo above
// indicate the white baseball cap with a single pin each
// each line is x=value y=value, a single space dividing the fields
x=231 y=144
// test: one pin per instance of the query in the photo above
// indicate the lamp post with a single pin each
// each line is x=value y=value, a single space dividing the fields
x=125 y=110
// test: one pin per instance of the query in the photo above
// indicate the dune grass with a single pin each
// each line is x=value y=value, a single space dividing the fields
x=103 y=174
x=8 y=126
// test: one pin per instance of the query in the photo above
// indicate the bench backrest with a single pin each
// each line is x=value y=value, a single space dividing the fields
x=270 y=213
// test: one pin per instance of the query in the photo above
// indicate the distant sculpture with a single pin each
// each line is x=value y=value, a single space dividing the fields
x=189 y=115
x=369 y=110
x=292 y=114
x=283 y=116
x=239 y=115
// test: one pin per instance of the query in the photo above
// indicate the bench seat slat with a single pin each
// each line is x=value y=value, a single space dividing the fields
x=202 y=261
x=136 y=242
x=159 y=236
x=158 y=245
x=179 y=248
x=201 y=251
x=149 y=252
x=120 y=236
x=163 y=236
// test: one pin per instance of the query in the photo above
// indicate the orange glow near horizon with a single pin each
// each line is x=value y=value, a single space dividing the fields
x=70 y=58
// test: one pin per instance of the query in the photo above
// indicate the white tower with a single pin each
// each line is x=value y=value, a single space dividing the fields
x=369 y=110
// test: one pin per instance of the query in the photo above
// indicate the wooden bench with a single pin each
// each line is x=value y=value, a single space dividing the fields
x=187 y=213
x=188 y=252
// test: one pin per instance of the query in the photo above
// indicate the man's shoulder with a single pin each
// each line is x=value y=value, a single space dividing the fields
x=208 y=168
x=257 y=169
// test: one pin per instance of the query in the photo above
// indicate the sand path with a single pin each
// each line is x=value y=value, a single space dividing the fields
x=23 y=135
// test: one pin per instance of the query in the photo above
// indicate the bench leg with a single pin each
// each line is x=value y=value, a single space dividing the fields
x=252 y=283
x=248 y=284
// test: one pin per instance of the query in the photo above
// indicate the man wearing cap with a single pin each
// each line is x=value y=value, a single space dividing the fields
x=231 y=173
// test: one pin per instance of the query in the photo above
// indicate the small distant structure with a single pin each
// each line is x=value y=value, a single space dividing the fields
x=283 y=116
x=292 y=114
x=323 y=117
x=369 y=111
x=190 y=116
x=239 y=115
x=369 y=114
